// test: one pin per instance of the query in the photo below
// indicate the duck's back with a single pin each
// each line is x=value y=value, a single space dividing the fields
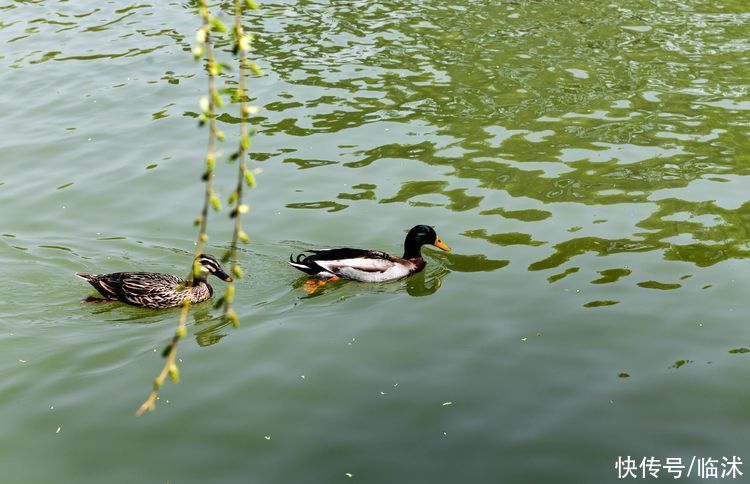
x=148 y=289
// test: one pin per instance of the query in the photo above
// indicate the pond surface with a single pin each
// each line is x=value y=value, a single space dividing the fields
x=588 y=161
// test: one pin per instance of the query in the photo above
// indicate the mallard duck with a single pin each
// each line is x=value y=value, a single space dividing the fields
x=369 y=265
x=156 y=291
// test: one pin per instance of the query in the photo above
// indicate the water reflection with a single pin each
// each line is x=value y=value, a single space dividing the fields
x=550 y=114
x=423 y=283
x=526 y=109
x=611 y=275
x=658 y=285
x=125 y=313
x=210 y=327
x=468 y=263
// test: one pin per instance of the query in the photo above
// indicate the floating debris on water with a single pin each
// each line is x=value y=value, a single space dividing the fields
x=597 y=304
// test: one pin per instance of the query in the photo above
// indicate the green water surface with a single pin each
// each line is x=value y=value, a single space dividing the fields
x=588 y=161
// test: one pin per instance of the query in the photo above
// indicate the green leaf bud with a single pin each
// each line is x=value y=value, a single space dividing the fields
x=174 y=373
x=216 y=203
x=250 y=178
x=232 y=316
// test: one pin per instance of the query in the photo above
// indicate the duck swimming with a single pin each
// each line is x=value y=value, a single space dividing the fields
x=369 y=265
x=156 y=291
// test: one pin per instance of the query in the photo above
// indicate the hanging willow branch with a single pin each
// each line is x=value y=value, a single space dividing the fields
x=202 y=50
x=242 y=45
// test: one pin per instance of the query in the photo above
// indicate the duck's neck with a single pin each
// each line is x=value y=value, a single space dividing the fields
x=200 y=291
x=200 y=285
x=412 y=250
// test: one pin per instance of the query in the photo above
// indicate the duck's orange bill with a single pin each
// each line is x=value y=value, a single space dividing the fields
x=439 y=243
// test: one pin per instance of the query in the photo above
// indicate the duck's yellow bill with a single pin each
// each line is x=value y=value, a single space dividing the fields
x=441 y=245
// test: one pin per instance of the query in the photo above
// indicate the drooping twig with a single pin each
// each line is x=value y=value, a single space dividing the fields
x=202 y=50
x=243 y=43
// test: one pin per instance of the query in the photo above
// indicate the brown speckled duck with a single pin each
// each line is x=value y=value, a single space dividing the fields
x=156 y=291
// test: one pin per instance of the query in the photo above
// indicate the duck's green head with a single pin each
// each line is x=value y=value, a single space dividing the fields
x=208 y=264
x=418 y=236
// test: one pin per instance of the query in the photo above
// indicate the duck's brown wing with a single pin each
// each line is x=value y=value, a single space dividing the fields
x=140 y=288
x=150 y=290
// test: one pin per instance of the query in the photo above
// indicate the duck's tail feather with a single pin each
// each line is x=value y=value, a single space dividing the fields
x=86 y=276
x=310 y=268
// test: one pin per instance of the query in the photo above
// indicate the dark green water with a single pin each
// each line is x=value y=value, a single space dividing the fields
x=588 y=161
